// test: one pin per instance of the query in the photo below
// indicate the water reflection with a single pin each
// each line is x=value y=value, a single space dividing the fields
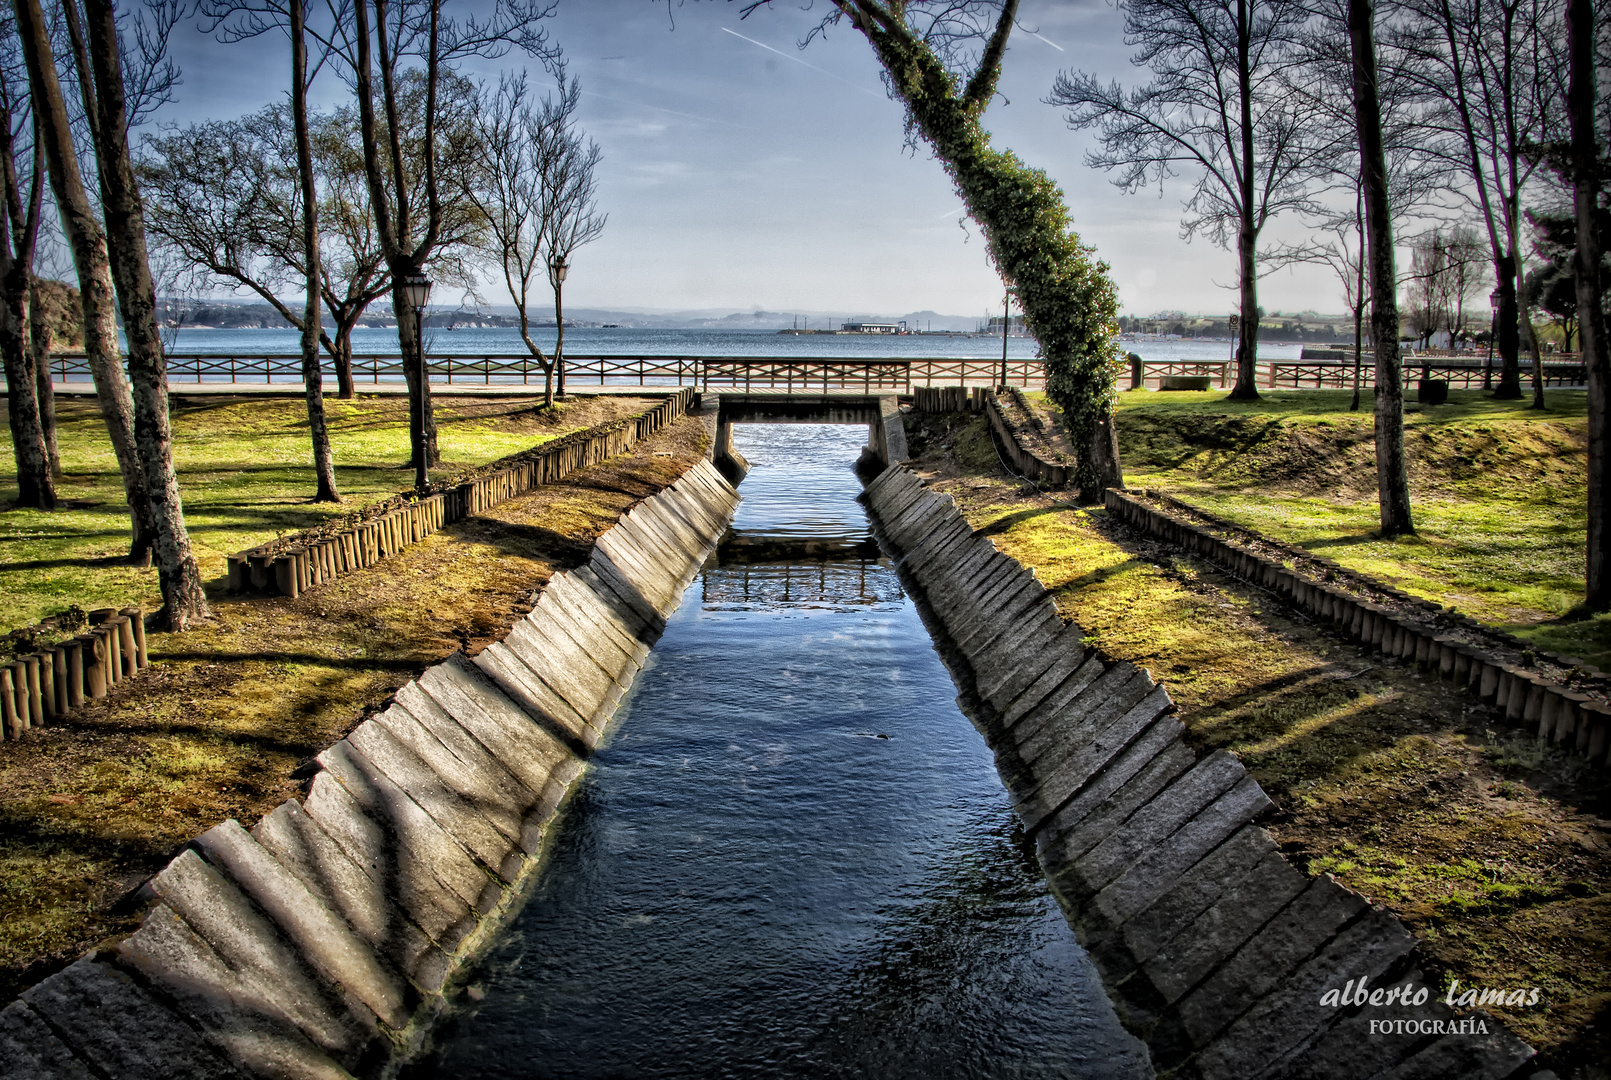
x=794 y=857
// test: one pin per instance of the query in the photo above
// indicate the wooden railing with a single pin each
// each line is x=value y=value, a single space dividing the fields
x=751 y=372
x=1464 y=373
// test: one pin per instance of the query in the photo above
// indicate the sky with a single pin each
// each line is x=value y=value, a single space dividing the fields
x=741 y=172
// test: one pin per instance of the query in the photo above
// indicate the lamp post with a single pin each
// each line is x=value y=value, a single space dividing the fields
x=557 y=269
x=1493 y=331
x=417 y=290
x=1006 y=323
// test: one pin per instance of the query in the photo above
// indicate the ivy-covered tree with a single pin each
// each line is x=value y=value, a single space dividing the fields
x=935 y=67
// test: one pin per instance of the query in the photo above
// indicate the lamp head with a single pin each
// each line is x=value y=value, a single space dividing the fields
x=559 y=267
x=418 y=290
x=1494 y=299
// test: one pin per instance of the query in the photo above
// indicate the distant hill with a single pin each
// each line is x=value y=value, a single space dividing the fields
x=232 y=314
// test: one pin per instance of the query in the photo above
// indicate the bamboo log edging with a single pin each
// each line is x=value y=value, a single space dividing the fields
x=1553 y=712
x=1214 y=949
x=43 y=687
x=312 y=559
x=324 y=941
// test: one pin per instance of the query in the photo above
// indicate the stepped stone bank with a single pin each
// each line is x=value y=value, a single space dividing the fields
x=320 y=942
x=1216 y=951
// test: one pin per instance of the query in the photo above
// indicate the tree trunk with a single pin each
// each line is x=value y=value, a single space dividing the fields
x=88 y=243
x=1247 y=235
x=324 y=466
x=39 y=342
x=1247 y=345
x=1591 y=327
x=343 y=361
x=1392 y=472
x=35 y=488
x=419 y=390
x=1529 y=336
x=184 y=601
x=1509 y=387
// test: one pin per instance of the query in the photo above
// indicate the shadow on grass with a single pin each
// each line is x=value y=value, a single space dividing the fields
x=1001 y=525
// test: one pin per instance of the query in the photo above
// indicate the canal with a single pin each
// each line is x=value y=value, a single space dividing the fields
x=793 y=857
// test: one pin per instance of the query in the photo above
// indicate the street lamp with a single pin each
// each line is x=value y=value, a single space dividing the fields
x=1495 y=298
x=557 y=269
x=417 y=291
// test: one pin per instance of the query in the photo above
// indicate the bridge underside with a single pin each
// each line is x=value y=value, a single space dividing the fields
x=886 y=437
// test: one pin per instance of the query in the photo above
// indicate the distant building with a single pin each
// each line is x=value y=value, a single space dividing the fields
x=873 y=328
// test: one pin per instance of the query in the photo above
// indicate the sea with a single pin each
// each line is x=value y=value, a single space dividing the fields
x=636 y=341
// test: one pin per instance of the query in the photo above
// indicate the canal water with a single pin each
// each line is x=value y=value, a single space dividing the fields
x=793 y=858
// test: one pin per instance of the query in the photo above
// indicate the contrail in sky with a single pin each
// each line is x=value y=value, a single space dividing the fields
x=673 y=112
x=799 y=61
x=1047 y=40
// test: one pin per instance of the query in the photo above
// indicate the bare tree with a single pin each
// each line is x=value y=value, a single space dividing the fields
x=23 y=196
x=184 y=600
x=1490 y=68
x=243 y=20
x=568 y=169
x=1219 y=106
x=87 y=239
x=1392 y=470
x=382 y=37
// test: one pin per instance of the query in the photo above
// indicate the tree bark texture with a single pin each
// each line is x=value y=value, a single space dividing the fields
x=39 y=341
x=343 y=361
x=1247 y=235
x=87 y=240
x=36 y=489
x=324 y=466
x=1509 y=328
x=1392 y=472
x=1591 y=317
x=19 y=233
x=184 y=601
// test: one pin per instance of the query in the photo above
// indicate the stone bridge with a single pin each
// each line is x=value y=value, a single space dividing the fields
x=886 y=438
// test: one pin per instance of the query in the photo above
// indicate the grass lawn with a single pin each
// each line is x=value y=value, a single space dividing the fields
x=1497 y=489
x=245 y=475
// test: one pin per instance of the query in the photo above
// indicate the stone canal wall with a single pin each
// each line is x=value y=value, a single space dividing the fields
x=1215 y=951
x=320 y=942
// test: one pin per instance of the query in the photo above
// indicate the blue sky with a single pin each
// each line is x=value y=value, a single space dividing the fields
x=741 y=172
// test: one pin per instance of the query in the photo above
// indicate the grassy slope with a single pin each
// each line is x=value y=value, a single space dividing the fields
x=1489 y=847
x=245 y=475
x=1497 y=489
